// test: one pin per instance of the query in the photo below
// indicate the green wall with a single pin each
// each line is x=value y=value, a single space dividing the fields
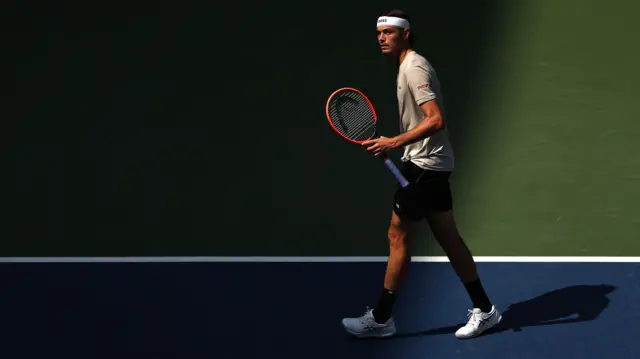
x=201 y=131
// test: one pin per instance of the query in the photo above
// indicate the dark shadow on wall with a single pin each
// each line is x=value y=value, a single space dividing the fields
x=177 y=130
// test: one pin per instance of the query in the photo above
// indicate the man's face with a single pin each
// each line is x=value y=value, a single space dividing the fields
x=390 y=39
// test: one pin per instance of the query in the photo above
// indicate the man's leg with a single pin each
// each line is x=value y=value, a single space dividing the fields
x=399 y=255
x=378 y=322
x=484 y=314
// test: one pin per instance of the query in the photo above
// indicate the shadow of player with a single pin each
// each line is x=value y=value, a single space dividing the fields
x=578 y=303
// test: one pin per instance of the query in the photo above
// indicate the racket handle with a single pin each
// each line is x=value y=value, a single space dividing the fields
x=396 y=172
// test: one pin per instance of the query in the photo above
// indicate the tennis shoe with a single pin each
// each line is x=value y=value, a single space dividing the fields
x=478 y=323
x=367 y=327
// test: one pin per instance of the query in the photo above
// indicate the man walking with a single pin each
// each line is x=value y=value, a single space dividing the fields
x=427 y=164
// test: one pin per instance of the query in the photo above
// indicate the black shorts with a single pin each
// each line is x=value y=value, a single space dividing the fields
x=427 y=191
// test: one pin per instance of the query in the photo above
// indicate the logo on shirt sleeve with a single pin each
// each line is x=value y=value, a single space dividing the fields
x=423 y=86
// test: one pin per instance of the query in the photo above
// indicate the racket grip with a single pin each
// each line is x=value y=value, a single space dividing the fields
x=396 y=172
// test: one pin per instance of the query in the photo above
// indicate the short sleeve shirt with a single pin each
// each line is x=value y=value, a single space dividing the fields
x=417 y=83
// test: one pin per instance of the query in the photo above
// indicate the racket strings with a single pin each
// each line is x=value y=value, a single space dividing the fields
x=364 y=122
x=356 y=116
x=352 y=116
x=365 y=133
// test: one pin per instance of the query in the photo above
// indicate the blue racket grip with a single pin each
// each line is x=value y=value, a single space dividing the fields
x=396 y=172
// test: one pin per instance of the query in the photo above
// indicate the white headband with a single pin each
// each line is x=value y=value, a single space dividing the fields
x=393 y=21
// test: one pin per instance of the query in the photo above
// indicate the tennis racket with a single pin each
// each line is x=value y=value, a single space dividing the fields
x=352 y=116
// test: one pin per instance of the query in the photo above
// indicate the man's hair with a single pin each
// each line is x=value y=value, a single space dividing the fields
x=403 y=15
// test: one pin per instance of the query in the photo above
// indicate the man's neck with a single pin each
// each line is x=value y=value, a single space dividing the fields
x=403 y=54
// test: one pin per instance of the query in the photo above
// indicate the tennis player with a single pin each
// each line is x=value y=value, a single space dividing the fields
x=427 y=163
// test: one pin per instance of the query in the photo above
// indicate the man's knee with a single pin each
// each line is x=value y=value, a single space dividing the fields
x=398 y=233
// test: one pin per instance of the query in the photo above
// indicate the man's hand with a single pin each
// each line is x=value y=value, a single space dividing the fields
x=380 y=145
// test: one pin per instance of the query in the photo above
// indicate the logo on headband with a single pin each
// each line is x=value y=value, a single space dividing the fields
x=393 y=21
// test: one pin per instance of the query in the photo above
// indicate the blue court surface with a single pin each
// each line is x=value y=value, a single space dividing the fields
x=293 y=310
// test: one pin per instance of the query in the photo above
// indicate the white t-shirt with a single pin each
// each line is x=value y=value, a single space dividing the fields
x=417 y=84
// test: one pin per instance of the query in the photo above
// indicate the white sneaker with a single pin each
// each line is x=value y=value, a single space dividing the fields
x=479 y=322
x=367 y=327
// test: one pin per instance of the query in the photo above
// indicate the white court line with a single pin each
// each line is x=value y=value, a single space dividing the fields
x=327 y=259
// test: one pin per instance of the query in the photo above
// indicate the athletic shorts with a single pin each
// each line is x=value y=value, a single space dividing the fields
x=427 y=191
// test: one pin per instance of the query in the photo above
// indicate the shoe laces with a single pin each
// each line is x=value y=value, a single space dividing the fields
x=368 y=313
x=474 y=317
x=367 y=319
